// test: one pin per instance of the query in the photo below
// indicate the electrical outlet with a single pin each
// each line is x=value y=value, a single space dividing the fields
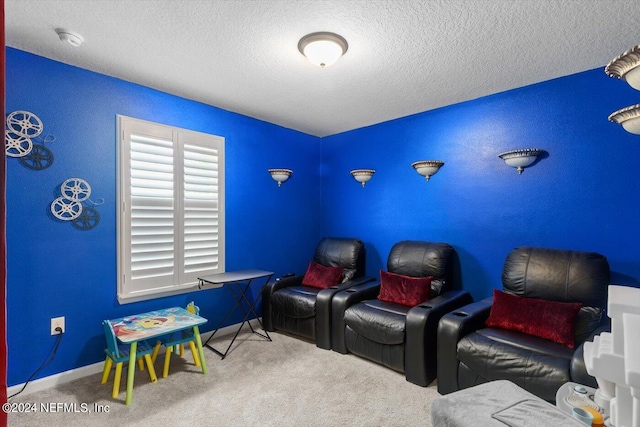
x=57 y=322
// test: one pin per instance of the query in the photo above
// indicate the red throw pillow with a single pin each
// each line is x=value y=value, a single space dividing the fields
x=319 y=276
x=551 y=320
x=404 y=290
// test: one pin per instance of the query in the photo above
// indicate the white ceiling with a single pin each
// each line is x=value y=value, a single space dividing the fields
x=404 y=56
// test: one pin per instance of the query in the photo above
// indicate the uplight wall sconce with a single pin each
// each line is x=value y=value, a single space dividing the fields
x=280 y=175
x=521 y=158
x=427 y=168
x=362 y=175
x=323 y=48
x=628 y=118
x=627 y=67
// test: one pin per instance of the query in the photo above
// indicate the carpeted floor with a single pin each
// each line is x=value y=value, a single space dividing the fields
x=287 y=382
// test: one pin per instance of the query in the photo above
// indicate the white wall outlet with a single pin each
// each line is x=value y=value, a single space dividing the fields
x=57 y=322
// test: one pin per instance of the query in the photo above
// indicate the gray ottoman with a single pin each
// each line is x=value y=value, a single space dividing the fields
x=497 y=403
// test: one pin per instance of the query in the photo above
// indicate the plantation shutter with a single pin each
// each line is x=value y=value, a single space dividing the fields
x=201 y=210
x=152 y=212
x=171 y=222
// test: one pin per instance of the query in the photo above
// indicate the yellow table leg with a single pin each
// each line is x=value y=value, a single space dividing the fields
x=194 y=351
x=167 y=360
x=152 y=369
x=156 y=349
x=131 y=372
x=196 y=333
x=108 y=363
x=116 y=381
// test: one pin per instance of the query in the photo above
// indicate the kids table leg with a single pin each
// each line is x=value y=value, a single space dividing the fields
x=196 y=333
x=131 y=372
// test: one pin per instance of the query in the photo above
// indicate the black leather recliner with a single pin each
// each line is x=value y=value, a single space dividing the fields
x=397 y=336
x=470 y=353
x=289 y=306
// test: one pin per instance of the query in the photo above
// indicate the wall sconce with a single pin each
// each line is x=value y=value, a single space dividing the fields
x=629 y=118
x=323 y=48
x=625 y=67
x=362 y=175
x=280 y=175
x=520 y=159
x=427 y=168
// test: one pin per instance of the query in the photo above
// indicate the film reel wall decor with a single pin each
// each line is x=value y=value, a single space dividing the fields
x=24 y=140
x=21 y=129
x=69 y=206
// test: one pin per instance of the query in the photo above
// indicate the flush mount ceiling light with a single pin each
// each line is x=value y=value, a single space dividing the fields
x=71 y=37
x=323 y=48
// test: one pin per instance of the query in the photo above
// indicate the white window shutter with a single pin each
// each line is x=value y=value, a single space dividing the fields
x=201 y=205
x=171 y=227
x=152 y=210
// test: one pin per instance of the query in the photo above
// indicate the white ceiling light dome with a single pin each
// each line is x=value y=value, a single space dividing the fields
x=323 y=48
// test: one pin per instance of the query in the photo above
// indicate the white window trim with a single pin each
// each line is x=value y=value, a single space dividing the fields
x=129 y=290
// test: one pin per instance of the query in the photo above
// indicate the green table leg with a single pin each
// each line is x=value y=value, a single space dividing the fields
x=131 y=371
x=196 y=333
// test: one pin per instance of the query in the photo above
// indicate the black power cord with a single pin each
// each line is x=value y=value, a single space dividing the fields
x=45 y=363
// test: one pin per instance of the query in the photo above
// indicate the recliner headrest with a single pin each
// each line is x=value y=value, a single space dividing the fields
x=342 y=252
x=421 y=259
x=557 y=275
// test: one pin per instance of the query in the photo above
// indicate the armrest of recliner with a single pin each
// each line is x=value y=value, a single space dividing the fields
x=421 y=335
x=268 y=290
x=451 y=329
x=578 y=371
x=339 y=304
x=323 y=309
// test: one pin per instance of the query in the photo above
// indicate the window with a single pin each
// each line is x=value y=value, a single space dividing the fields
x=171 y=215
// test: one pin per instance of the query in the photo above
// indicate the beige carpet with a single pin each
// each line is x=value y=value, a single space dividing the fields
x=287 y=382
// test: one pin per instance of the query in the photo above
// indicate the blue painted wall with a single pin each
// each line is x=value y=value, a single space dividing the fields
x=583 y=196
x=57 y=270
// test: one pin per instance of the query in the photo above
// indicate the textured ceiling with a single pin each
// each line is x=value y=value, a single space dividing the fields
x=404 y=57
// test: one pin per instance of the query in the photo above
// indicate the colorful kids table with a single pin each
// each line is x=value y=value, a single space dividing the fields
x=154 y=324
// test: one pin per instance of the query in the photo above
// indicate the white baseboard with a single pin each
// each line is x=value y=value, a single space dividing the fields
x=73 y=374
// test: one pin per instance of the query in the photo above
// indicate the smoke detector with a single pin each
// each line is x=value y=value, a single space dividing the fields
x=71 y=37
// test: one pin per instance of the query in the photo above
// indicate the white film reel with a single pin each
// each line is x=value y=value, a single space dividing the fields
x=65 y=209
x=24 y=123
x=75 y=189
x=16 y=145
